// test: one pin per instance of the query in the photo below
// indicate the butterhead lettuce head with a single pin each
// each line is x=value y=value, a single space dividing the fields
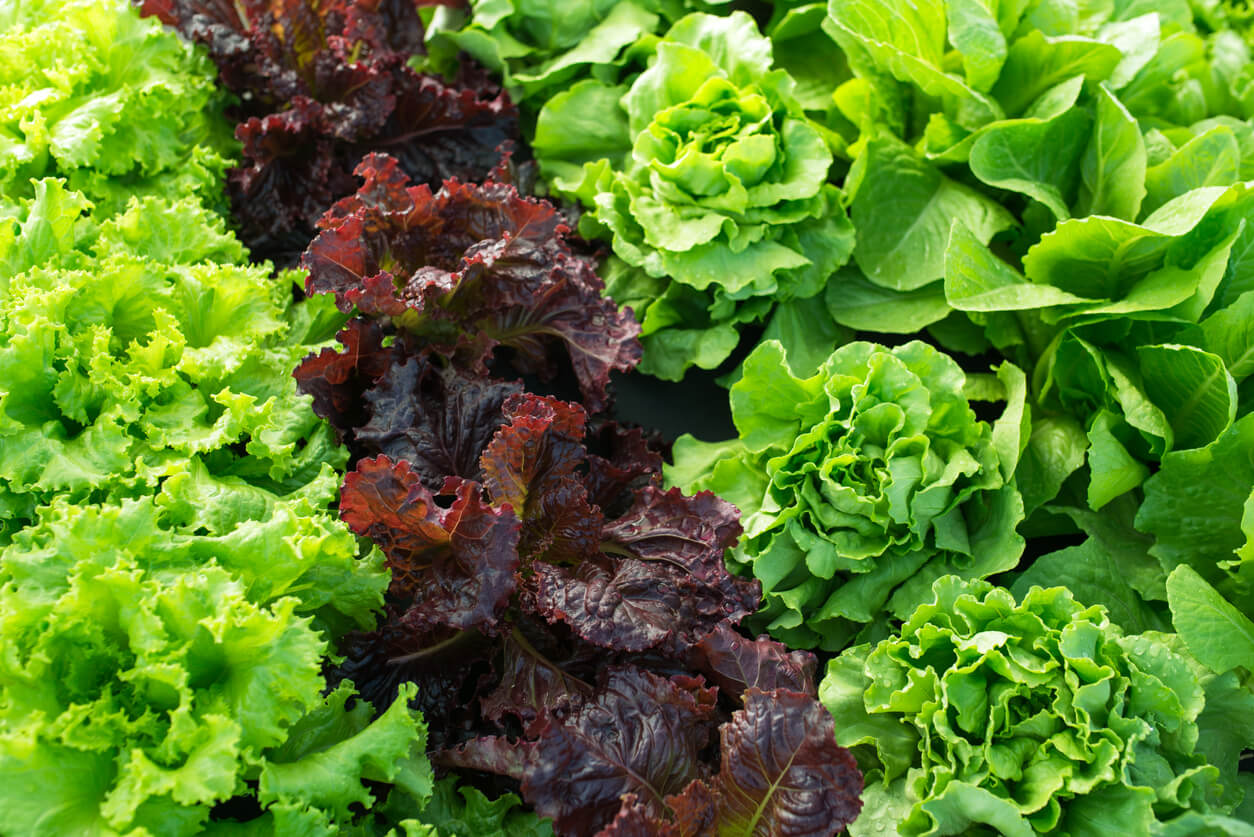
x=711 y=183
x=862 y=483
x=986 y=715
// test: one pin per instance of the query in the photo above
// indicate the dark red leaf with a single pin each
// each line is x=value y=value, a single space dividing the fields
x=640 y=734
x=321 y=83
x=531 y=687
x=736 y=663
x=455 y=565
x=339 y=380
x=445 y=664
x=783 y=775
x=530 y=465
x=438 y=418
x=632 y=605
x=783 y=772
x=488 y=754
x=693 y=532
x=620 y=461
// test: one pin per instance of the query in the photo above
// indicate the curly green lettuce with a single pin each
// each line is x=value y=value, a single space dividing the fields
x=540 y=47
x=709 y=180
x=116 y=104
x=862 y=483
x=128 y=356
x=171 y=573
x=140 y=689
x=986 y=715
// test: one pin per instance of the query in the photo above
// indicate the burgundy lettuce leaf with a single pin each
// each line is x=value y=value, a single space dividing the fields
x=277 y=49
x=735 y=663
x=782 y=775
x=632 y=605
x=468 y=269
x=531 y=465
x=339 y=379
x=445 y=664
x=533 y=688
x=621 y=460
x=640 y=734
x=455 y=567
x=438 y=418
x=496 y=754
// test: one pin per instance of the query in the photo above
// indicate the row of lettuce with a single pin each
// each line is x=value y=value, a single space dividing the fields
x=172 y=579
x=1054 y=197
x=191 y=630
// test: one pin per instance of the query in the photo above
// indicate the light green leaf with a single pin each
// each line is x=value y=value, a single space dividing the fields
x=856 y=303
x=1209 y=159
x=1192 y=388
x=1037 y=62
x=1113 y=169
x=976 y=280
x=1229 y=333
x=1218 y=634
x=1039 y=158
x=902 y=210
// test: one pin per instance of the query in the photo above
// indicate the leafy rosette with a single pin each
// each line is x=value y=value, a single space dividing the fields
x=321 y=85
x=990 y=715
x=539 y=53
x=128 y=358
x=92 y=93
x=862 y=483
x=553 y=603
x=710 y=182
x=650 y=577
x=469 y=269
x=150 y=673
x=1051 y=185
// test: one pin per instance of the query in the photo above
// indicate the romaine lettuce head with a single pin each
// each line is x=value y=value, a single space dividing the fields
x=116 y=104
x=985 y=715
x=710 y=181
x=862 y=484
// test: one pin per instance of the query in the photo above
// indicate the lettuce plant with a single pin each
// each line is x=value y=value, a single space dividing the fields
x=470 y=269
x=322 y=84
x=710 y=182
x=95 y=94
x=129 y=356
x=985 y=714
x=170 y=572
x=1060 y=177
x=862 y=483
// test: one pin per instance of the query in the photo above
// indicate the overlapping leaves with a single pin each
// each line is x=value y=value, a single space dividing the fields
x=323 y=84
x=92 y=93
x=861 y=484
x=549 y=601
x=709 y=180
x=469 y=269
x=1035 y=716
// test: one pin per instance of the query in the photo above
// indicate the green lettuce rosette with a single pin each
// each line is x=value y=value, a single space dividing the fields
x=863 y=483
x=113 y=102
x=985 y=715
x=711 y=183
